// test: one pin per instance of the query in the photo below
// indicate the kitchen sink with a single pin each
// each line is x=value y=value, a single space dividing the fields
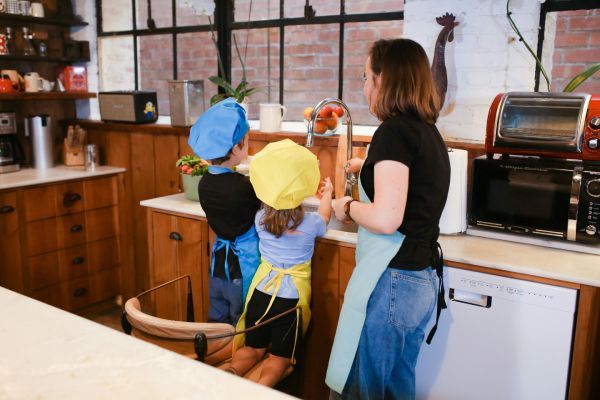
x=311 y=204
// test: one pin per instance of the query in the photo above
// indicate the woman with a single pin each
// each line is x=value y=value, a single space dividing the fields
x=403 y=185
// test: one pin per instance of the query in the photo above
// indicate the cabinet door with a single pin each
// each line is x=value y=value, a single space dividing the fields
x=317 y=346
x=164 y=240
x=10 y=249
x=347 y=264
x=191 y=253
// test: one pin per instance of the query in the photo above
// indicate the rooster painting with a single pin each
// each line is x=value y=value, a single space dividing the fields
x=438 y=66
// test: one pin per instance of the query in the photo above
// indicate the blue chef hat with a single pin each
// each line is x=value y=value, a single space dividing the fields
x=220 y=128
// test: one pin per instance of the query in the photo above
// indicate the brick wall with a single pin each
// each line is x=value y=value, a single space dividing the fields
x=576 y=47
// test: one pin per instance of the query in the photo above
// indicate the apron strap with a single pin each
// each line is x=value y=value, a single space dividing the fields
x=275 y=283
x=228 y=245
x=438 y=264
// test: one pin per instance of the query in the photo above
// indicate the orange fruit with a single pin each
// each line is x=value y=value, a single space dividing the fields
x=325 y=112
x=339 y=111
x=320 y=127
x=332 y=122
x=307 y=112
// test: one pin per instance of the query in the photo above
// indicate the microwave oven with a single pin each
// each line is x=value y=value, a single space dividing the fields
x=551 y=198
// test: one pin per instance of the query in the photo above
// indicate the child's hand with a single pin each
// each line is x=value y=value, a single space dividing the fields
x=326 y=187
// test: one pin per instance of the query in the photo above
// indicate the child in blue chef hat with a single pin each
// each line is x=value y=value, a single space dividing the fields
x=220 y=136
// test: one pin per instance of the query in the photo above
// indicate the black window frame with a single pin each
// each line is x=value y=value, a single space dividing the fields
x=555 y=6
x=225 y=25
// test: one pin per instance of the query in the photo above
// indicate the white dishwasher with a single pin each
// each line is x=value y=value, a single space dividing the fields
x=499 y=339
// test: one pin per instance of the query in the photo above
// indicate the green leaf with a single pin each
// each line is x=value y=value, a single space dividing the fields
x=217 y=98
x=582 y=77
x=217 y=80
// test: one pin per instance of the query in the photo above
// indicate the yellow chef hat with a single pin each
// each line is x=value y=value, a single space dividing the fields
x=283 y=174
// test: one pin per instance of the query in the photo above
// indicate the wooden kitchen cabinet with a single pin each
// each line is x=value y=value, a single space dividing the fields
x=60 y=241
x=10 y=246
x=178 y=246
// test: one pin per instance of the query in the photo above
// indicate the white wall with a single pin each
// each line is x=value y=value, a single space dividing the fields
x=484 y=59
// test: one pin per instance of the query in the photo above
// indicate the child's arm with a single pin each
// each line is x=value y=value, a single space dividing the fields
x=325 y=204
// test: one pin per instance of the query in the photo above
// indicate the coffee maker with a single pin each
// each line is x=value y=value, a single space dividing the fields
x=11 y=152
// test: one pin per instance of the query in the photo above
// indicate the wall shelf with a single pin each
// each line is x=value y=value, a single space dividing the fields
x=47 y=96
x=26 y=19
x=18 y=57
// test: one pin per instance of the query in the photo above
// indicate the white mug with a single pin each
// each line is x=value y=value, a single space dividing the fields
x=36 y=10
x=271 y=115
x=33 y=82
x=46 y=86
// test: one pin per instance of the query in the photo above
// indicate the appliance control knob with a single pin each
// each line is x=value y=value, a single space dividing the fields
x=595 y=123
x=590 y=230
x=593 y=144
x=593 y=188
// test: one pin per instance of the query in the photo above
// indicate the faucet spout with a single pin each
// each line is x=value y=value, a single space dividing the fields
x=351 y=179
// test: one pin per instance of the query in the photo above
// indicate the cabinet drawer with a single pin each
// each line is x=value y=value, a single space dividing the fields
x=73 y=263
x=76 y=293
x=8 y=213
x=101 y=223
x=103 y=254
x=51 y=295
x=39 y=203
x=104 y=285
x=100 y=193
x=71 y=230
x=44 y=270
x=41 y=236
x=69 y=198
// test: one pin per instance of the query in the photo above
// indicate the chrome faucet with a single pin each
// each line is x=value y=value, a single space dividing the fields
x=351 y=179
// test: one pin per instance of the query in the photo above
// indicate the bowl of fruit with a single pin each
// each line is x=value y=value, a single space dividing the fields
x=191 y=168
x=328 y=119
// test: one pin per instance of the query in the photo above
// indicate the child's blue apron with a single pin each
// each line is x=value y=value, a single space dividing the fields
x=245 y=247
x=373 y=254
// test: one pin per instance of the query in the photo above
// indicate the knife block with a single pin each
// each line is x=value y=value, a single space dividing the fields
x=73 y=156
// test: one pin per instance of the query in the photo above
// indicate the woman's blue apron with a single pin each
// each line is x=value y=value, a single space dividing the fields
x=373 y=254
x=245 y=247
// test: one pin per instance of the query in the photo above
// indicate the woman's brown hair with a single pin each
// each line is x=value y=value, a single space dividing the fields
x=406 y=84
x=279 y=221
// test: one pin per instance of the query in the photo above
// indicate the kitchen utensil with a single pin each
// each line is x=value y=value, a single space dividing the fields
x=23 y=7
x=42 y=47
x=271 y=115
x=8 y=123
x=39 y=129
x=12 y=6
x=36 y=10
x=11 y=152
x=91 y=157
x=10 y=42
x=33 y=82
x=3 y=44
x=186 y=100
x=6 y=85
x=46 y=86
x=75 y=79
x=28 y=49
x=59 y=87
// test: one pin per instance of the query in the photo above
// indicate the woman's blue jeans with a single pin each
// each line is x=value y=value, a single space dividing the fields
x=397 y=314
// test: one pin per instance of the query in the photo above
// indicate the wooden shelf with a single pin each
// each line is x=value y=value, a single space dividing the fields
x=26 y=19
x=18 y=57
x=47 y=96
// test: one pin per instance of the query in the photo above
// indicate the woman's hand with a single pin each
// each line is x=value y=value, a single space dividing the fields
x=353 y=165
x=338 y=208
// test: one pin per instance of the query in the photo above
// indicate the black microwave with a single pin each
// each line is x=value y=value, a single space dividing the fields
x=542 y=197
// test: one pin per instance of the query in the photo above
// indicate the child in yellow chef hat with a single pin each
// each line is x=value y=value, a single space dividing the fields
x=283 y=174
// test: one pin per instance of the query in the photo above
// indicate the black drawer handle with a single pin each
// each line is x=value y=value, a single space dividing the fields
x=175 y=236
x=7 y=209
x=80 y=292
x=78 y=260
x=77 y=228
x=70 y=199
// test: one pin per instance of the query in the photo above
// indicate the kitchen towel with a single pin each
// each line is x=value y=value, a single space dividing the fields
x=454 y=216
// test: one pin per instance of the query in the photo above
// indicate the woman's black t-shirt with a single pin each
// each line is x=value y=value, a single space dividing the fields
x=420 y=147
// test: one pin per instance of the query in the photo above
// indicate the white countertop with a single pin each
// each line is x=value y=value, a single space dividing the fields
x=31 y=176
x=564 y=265
x=48 y=353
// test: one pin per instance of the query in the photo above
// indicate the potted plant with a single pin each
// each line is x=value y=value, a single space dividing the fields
x=191 y=168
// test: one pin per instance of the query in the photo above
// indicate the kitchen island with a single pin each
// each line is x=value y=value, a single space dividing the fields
x=334 y=259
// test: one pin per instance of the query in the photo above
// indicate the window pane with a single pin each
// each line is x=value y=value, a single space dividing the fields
x=261 y=10
x=116 y=16
x=576 y=48
x=358 y=38
x=155 y=62
x=162 y=13
x=372 y=6
x=197 y=59
x=116 y=63
x=194 y=12
x=295 y=8
x=311 y=59
x=262 y=66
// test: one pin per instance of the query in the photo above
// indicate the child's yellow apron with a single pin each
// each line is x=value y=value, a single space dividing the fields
x=300 y=276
